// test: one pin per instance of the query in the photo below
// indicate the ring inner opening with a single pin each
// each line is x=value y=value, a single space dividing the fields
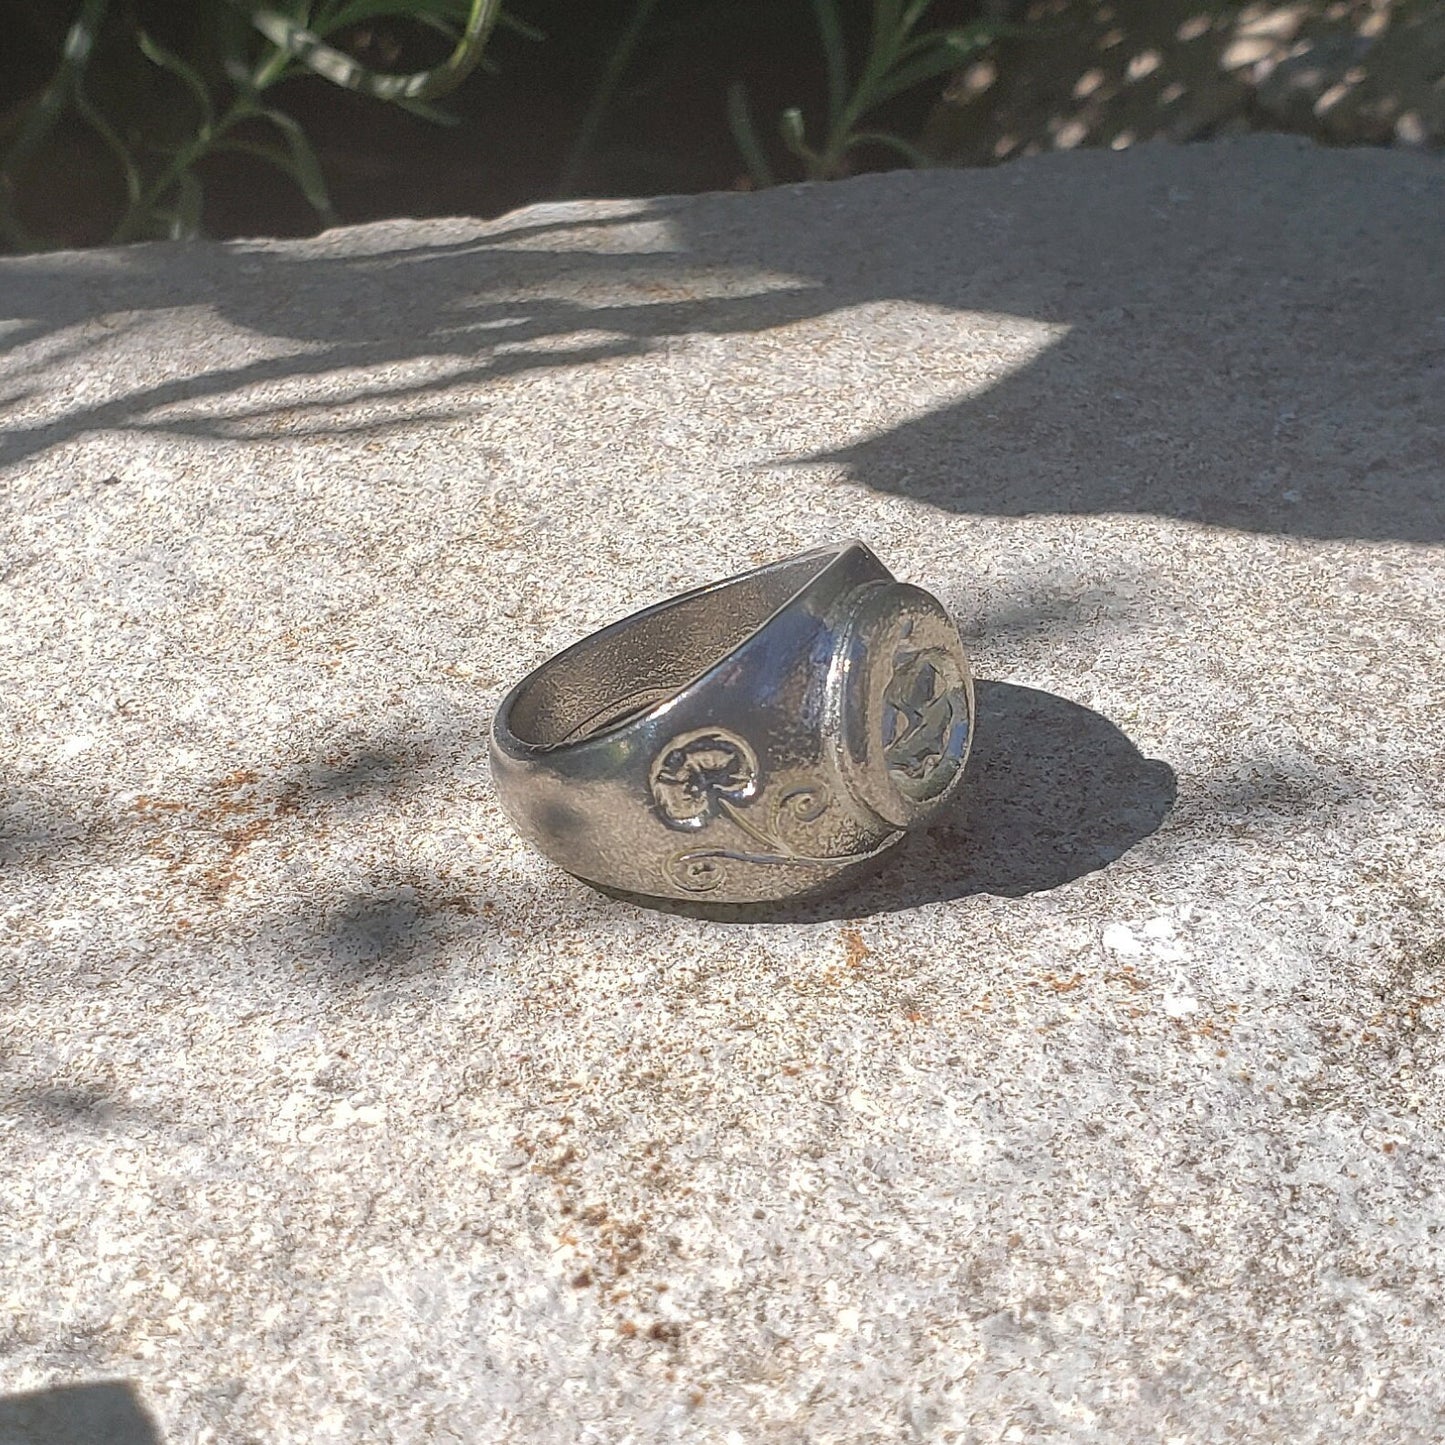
x=630 y=667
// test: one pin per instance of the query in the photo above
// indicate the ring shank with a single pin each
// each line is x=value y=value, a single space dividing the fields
x=627 y=668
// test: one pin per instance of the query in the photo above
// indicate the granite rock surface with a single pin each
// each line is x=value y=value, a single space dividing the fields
x=1112 y=1110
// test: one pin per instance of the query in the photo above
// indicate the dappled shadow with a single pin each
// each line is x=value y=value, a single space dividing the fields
x=394 y=926
x=368 y=767
x=1259 y=793
x=203 y=825
x=381 y=930
x=1085 y=74
x=1243 y=336
x=66 y=1106
x=209 y=839
x=36 y=824
x=108 y=1412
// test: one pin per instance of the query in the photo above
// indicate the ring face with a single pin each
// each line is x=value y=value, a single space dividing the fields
x=795 y=721
x=927 y=724
x=906 y=705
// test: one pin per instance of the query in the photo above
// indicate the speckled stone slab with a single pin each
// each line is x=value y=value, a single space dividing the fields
x=1112 y=1110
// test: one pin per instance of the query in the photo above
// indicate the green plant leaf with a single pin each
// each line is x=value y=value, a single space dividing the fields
x=910 y=152
x=172 y=63
x=434 y=113
x=42 y=116
x=612 y=72
x=795 y=135
x=916 y=11
x=915 y=73
x=305 y=46
x=304 y=168
x=278 y=155
x=130 y=167
x=185 y=218
x=962 y=40
x=886 y=32
x=528 y=31
x=835 y=53
x=357 y=12
x=745 y=136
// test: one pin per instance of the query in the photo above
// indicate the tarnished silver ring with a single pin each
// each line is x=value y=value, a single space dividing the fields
x=757 y=739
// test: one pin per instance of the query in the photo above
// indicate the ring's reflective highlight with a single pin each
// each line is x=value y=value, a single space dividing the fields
x=758 y=739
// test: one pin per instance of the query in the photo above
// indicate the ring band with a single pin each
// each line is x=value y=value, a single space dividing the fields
x=757 y=739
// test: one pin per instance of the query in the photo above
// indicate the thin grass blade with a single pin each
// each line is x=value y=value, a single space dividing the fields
x=185 y=219
x=745 y=136
x=835 y=53
x=41 y=118
x=187 y=74
x=358 y=12
x=130 y=167
x=910 y=152
x=914 y=73
x=433 y=113
x=304 y=169
x=611 y=77
x=795 y=135
x=312 y=51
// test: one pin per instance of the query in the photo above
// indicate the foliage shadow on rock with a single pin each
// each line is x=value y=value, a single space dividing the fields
x=1241 y=335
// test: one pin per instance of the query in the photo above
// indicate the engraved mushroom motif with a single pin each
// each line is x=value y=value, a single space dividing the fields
x=697 y=774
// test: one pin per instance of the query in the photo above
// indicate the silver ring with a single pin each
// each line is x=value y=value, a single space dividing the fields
x=758 y=739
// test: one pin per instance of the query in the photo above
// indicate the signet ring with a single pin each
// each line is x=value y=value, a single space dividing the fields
x=763 y=738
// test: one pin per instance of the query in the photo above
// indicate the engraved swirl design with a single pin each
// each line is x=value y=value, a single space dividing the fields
x=713 y=773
